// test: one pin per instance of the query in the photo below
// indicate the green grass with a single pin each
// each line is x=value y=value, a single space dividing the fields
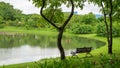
x=104 y=49
x=109 y=61
x=23 y=30
x=100 y=58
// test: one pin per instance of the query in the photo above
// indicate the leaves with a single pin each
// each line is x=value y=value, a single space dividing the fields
x=8 y=12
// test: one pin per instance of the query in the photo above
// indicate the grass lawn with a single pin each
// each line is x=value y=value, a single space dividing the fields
x=100 y=58
x=22 y=30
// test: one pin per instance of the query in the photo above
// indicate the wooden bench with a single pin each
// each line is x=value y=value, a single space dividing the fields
x=86 y=50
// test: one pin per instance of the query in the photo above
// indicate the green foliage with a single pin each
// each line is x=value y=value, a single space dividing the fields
x=88 y=19
x=56 y=3
x=81 y=29
x=1 y=22
x=116 y=10
x=54 y=15
x=8 y=12
x=101 y=30
x=1 y=19
x=8 y=15
x=116 y=29
x=34 y=21
x=68 y=63
x=83 y=24
x=111 y=61
x=75 y=19
x=101 y=19
x=1 y=25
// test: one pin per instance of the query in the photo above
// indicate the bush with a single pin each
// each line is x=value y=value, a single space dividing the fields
x=1 y=25
x=81 y=29
x=101 y=30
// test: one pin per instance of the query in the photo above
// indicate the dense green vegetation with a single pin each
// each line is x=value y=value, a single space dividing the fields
x=74 y=62
x=79 y=24
x=101 y=31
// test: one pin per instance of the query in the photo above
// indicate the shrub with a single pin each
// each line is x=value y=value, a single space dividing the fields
x=81 y=29
x=101 y=30
x=1 y=25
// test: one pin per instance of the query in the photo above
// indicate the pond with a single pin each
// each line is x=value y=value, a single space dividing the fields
x=26 y=48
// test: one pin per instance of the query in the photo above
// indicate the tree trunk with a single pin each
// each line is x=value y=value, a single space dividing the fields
x=107 y=30
x=59 y=44
x=110 y=48
x=110 y=39
x=110 y=18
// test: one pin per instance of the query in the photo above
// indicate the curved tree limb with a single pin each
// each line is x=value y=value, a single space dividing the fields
x=41 y=12
x=70 y=16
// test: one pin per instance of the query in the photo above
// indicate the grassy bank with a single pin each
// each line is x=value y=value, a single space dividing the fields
x=23 y=30
x=100 y=58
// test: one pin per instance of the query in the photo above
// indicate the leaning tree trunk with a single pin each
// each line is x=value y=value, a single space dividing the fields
x=59 y=44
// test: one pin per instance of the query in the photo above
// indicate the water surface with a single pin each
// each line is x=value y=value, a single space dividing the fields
x=26 y=48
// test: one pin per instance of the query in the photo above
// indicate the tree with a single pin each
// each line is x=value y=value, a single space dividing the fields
x=8 y=12
x=9 y=15
x=55 y=5
x=89 y=19
x=107 y=10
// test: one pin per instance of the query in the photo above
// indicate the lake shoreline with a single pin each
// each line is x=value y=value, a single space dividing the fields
x=39 y=49
x=95 y=53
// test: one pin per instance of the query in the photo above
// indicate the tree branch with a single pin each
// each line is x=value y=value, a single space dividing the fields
x=107 y=29
x=70 y=16
x=104 y=12
x=41 y=12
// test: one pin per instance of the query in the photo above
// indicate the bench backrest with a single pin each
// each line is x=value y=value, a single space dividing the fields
x=83 y=50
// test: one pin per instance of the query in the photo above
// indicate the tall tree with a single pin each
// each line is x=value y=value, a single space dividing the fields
x=107 y=10
x=8 y=12
x=54 y=5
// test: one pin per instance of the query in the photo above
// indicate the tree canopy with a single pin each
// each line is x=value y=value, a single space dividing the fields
x=8 y=12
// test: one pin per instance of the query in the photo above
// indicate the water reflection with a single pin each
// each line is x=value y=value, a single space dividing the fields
x=25 y=53
x=26 y=48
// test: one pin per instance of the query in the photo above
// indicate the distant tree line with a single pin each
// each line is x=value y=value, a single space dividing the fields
x=79 y=24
